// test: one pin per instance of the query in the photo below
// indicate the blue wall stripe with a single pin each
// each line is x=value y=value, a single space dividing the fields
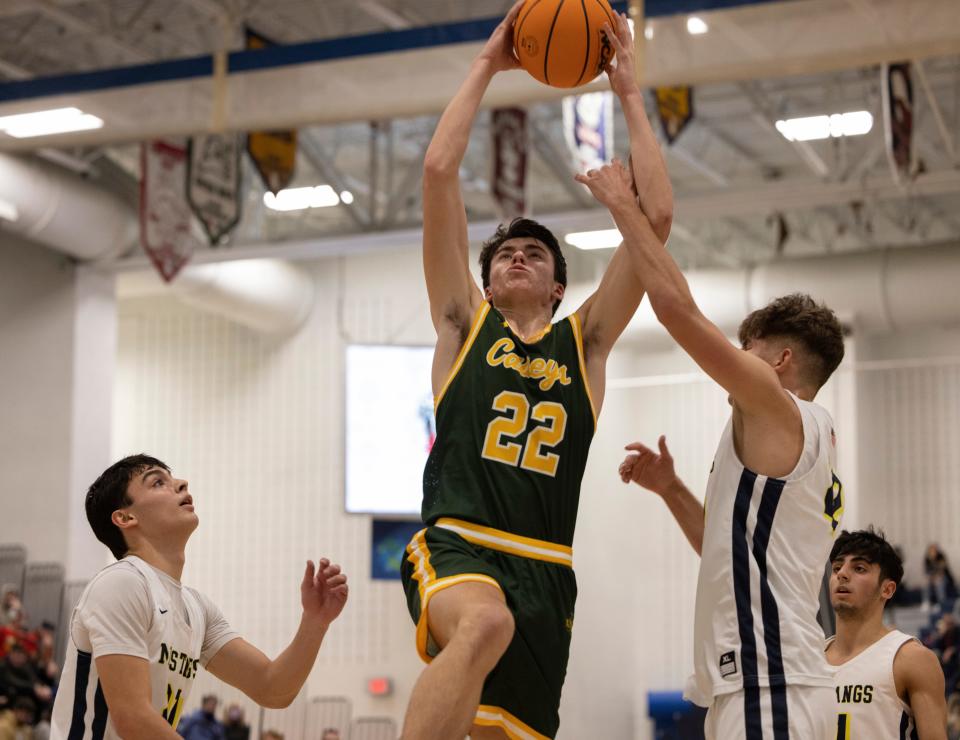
x=772 y=491
x=312 y=51
x=77 y=725
x=741 y=592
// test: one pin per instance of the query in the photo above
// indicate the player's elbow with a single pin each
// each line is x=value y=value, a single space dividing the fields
x=671 y=306
x=276 y=702
x=437 y=165
x=661 y=221
x=129 y=721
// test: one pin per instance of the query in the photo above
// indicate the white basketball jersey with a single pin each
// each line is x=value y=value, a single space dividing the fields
x=80 y=711
x=766 y=542
x=868 y=706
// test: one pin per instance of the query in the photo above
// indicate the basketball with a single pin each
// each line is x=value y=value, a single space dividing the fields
x=560 y=42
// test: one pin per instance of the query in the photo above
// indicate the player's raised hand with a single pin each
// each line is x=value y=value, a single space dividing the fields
x=499 y=47
x=323 y=591
x=648 y=469
x=612 y=184
x=621 y=71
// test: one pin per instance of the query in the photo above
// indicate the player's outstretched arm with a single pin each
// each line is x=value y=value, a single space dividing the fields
x=454 y=295
x=125 y=681
x=646 y=161
x=275 y=683
x=751 y=381
x=919 y=677
x=656 y=473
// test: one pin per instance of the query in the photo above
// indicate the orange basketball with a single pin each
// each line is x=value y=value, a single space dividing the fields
x=559 y=41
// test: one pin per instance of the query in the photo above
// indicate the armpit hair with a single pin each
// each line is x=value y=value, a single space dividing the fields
x=459 y=318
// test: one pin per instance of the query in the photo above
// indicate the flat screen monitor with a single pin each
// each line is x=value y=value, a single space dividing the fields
x=389 y=427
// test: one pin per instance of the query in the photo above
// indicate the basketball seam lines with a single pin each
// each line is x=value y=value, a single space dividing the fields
x=546 y=52
x=586 y=57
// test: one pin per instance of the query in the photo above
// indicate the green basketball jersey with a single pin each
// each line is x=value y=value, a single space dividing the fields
x=514 y=425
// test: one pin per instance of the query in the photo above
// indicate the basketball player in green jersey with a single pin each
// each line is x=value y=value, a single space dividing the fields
x=489 y=580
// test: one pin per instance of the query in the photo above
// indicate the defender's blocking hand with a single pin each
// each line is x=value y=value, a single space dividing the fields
x=612 y=185
x=323 y=591
x=648 y=469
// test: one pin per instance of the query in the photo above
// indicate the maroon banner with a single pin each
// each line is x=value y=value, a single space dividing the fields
x=165 y=230
x=897 y=89
x=510 y=146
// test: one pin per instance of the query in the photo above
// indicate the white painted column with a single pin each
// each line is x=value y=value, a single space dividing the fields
x=93 y=360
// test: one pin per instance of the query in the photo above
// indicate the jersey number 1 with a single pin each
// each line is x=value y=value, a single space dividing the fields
x=531 y=455
x=171 y=712
x=843 y=726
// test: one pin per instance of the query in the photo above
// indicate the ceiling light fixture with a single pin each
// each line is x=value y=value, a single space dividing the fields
x=696 y=25
x=602 y=239
x=298 y=199
x=46 y=122
x=813 y=128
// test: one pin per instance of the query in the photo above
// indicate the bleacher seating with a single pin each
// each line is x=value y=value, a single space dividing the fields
x=13 y=563
x=328 y=711
x=43 y=592
x=373 y=728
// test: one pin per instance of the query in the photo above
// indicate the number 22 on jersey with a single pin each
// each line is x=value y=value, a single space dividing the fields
x=532 y=455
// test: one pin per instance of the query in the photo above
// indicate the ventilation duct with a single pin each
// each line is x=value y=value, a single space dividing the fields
x=880 y=291
x=267 y=295
x=63 y=211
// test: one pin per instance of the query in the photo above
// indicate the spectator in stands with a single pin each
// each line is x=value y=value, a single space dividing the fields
x=941 y=587
x=234 y=728
x=945 y=642
x=271 y=735
x=953 y=717
x=202 y=724
x=19 y=679
x=11 y=606
x=331 y=733
x=12 y=631
x=17 y=723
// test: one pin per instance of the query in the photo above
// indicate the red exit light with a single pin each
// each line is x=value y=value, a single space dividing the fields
x=379 y=687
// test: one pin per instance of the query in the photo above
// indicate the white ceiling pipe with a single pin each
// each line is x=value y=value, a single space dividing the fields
x=62 y=211
x=879 y=291
x=269 y=296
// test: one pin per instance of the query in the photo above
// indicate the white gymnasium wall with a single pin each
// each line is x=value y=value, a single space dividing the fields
x=36 y=345
x=909 y=400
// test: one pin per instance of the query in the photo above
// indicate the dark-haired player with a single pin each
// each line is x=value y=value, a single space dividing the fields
x=138 y=636
x=773 y=500
x=888 y=685
x=489 y=581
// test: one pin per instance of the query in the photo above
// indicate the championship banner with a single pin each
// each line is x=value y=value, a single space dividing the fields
x=897 y=90
x=274 y=153
x=213 y=183
x=510 y=147
x=588 y=129
x=165 y=230
x=675 y=109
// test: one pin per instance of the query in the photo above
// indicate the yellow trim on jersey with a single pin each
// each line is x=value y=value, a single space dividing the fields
x=418 y=553
x=514 y=544
x=578 y=337
x=488 y=716
x=478 y=318
x=535 y=338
